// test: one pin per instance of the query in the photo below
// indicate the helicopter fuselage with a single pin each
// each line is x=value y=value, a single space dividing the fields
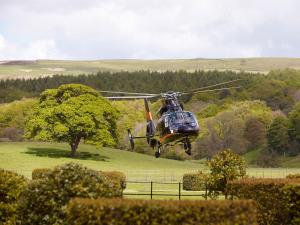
x=175 y=127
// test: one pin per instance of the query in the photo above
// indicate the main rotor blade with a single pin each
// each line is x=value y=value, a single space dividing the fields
x=214 y=85
x=128 y=93
x=132 y=97
x=210 y=90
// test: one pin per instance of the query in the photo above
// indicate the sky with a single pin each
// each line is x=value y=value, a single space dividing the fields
x=148 y=29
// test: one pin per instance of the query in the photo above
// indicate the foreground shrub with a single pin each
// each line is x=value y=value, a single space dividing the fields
x=116 y=177
x=11 y=186
x=278 y=200
x=44 y=200
x=293 y=176
x=194 y=181
x=146 y=212
x=40 y=173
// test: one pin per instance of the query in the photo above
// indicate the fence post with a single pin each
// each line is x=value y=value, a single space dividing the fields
x=179 y=192
x=151 y=188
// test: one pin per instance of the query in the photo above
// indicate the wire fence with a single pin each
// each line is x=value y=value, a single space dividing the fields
x=170 y=189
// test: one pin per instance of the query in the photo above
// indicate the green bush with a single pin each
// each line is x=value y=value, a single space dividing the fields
x=224 y=166
x=44 y=200
x=40 y=173
x=11 y=186
x=293 y=176
x=146 y=212
x=115 y=176
x=278 y=200
x=194 y=181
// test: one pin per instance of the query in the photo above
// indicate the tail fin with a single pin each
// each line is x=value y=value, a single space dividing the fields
x=150 y=124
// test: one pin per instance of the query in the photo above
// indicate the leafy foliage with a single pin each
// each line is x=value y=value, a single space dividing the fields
x=194 y=181
x=12 y=118
x=11 y=187
x=115 y=177
x=255 y=133
x=225 y=166
x=228 y=129
x=71 y=113
x=40 y=173
x=44 y=200
x=134 y=212
x=294 y=118
x=277 y=199
x=278 y=137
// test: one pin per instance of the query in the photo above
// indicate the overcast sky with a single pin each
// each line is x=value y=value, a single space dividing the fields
x=156 y=29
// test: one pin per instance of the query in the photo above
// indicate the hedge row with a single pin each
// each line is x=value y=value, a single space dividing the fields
x=115 y=176
x=134 y=212
x=293 y=176
x=194 y=181
x=40 y=173
x=44 y=200
x=11 y=187
x=278 y=200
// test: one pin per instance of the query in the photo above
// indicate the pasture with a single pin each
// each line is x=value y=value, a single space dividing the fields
x=23 y=157
x=43 y=68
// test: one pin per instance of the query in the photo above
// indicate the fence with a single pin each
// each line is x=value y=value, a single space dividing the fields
x=174 y=189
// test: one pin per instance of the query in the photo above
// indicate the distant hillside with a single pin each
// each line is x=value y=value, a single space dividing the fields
x=35 y=68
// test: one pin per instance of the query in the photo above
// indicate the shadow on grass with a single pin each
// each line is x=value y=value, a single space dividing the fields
x=60 y=153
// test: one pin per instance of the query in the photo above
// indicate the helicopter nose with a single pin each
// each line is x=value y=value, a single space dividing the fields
x=188 y=129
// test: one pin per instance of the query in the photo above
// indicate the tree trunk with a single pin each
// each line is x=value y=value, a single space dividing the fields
x=74 y=146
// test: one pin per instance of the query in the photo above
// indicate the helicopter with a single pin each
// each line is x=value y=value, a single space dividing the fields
x=174 y=125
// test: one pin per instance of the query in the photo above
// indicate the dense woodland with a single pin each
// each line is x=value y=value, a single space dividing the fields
x=263 y=115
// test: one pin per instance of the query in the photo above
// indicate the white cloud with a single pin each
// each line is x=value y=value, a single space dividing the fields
x=75 y=29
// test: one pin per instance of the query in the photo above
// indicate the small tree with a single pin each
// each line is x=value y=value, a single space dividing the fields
x=277 y=135
x=225 y=166
x=71 y=113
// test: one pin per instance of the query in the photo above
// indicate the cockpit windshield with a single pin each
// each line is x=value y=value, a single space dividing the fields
x=179 y=118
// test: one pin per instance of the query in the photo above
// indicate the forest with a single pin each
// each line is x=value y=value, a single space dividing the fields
x=262 y=116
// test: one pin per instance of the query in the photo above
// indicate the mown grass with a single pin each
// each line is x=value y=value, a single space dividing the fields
x=50 y=67
x=23 y=157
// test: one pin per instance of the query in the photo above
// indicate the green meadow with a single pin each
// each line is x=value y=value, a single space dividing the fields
x=38 y=68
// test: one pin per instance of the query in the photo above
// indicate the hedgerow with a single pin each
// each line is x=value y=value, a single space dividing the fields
x=44 y=200
x=194 y=181
x=115 y=176
x=168 y=212
x=293 y=176
x=278 y=200
x=40 y=173
x=11 y=186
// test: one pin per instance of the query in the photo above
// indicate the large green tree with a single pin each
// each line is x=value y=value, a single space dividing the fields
x=72 y=113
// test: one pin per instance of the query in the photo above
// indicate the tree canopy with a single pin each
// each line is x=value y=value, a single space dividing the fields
x=72 y=113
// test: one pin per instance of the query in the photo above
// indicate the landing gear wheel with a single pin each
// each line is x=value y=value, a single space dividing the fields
x=157 y=153
x=187 y=147
x=188 y=152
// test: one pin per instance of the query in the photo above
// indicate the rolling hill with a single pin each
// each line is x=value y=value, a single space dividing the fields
x=37 y=68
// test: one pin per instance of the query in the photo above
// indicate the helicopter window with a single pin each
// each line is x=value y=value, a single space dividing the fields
x=181 y=118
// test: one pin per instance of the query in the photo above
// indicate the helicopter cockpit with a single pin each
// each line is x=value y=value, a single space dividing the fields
x=178 y=122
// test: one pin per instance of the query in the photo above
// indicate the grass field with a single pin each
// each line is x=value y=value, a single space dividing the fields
x=23 y=157
x=27 y=69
